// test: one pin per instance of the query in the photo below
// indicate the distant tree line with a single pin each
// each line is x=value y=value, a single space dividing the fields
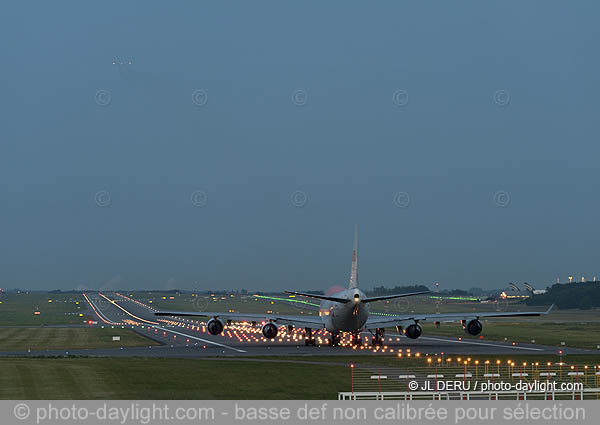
x=456 y=293
x=223 y=292
x=569 y=295
x=382 y=290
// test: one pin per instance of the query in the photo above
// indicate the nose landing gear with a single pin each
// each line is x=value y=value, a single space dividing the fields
x=356 y=338
x=310 y=339
x=334 y=341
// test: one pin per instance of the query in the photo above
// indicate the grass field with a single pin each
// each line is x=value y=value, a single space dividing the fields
x=581 y=335
x=54 y=309
x=152 y=378
x=203 y=302
x=421 y=362
x=143 y=378
x=44 y=338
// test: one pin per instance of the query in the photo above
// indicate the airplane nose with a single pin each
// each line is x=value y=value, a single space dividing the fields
x=356 y=304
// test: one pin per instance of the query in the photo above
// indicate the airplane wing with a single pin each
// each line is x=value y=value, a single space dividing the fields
x=364 y=300
x=393 y=320
x=389 y=297
x=319 y=297
x=298 y=321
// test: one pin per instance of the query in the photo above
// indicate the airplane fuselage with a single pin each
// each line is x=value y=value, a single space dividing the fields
x=345 y=317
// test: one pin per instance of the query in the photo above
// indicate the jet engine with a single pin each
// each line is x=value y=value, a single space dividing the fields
x=269 y=330
x=413 y=331
x=474 y=327
x=215 y=326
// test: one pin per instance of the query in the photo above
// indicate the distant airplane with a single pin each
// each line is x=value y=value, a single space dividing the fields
x=533 y=290
x=348 y=311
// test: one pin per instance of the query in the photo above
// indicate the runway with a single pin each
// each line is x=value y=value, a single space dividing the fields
x=189 y=338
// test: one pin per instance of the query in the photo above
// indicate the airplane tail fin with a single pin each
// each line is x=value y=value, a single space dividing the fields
x=354 y=272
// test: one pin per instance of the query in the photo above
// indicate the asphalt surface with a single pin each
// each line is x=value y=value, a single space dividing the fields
x=189 y=338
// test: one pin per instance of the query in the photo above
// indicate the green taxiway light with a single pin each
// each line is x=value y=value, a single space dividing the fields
x=287 y=300
x=456 y=298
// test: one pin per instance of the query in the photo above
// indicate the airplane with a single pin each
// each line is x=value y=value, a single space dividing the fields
x=532 y=290
x=348 y=311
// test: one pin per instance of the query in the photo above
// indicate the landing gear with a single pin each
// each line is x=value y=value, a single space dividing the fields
x=356 y=338
x=310 y=339
x=377 y=338
x=334 y=341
